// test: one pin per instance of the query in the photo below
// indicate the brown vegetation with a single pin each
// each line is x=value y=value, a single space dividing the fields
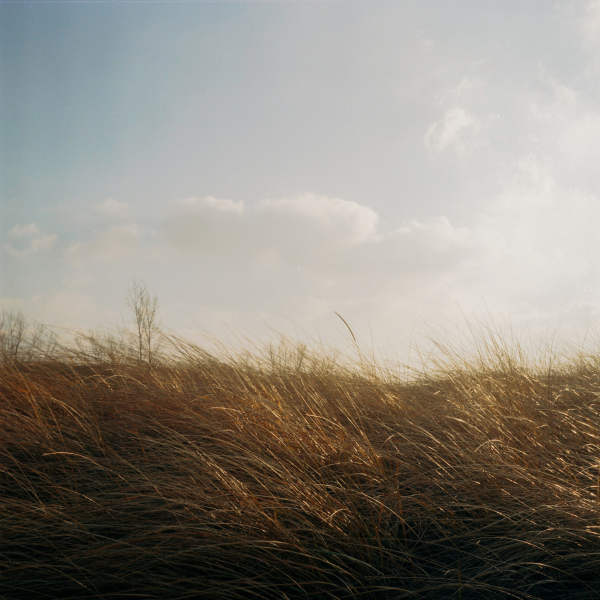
x=289 y=475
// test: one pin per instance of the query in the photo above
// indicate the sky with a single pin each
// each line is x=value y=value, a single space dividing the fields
x=262 y=166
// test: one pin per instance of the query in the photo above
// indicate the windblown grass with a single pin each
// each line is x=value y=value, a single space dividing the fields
x=284 y=476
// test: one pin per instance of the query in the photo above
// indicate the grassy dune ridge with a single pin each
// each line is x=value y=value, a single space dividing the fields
x=291 y=474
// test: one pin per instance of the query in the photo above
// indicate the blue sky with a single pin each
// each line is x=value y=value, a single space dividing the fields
x=268 y=163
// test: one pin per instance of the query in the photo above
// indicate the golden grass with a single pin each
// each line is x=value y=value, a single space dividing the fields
x=289 y=475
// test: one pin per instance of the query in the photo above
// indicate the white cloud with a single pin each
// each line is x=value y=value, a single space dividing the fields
x=113 y=209
x=452 y=130
x=205 y=225
x=116 y=244
x=522 y=238
x=440 y=230
x=534 y=248
x=533 y=253
x=29 y=239
x=541 y=242
x=219 y=204
x=341 y=220
x=19 y=231
x=299 y=229
x=590 y=24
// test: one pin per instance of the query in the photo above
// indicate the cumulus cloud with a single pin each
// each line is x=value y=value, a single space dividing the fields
x=535 y=243
x=28 y=239
x=530 y=252
x=340 y=220
x=205 y=225
x=299 y=229
x=533 y=253
x=311 y=253
x=219 y=204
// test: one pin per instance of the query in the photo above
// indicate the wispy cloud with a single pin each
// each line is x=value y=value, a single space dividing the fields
x=116 y=243
x=452 y=130
x=113 y=209
x=29 y=239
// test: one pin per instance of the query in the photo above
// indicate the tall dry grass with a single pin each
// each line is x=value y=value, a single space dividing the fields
x=291 y=474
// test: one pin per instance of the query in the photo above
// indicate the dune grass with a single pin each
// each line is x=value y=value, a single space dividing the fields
x=289 y=474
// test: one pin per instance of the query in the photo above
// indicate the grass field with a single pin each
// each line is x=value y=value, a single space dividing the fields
x=289 y=474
